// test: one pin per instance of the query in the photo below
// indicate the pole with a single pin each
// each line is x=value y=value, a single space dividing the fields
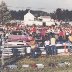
x=65 y=48
x=2 y=58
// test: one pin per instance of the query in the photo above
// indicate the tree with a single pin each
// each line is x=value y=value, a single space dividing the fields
x=59 y=14
x=4 y=13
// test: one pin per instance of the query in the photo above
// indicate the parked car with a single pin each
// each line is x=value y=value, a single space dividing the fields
x=18 y=35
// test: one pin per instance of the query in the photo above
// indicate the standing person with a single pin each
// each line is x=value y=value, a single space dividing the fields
x=70 y=38
x=43 y=32
x=33 y=30
x=47 y=48
x=53 y=47
x=61 y=35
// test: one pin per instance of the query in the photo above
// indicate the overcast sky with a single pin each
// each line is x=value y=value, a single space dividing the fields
x=48 y=5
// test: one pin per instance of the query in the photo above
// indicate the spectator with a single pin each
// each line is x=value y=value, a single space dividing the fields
x=43 y=31
x=47 y=47
x=61 y=33
x=70 y=38
x=53 y=47
x=33 y=48
x=33 y=30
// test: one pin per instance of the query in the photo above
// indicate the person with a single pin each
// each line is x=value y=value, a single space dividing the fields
x=33 y=48
x=43 y=31
x=61 y=35
x=7 y=34
x=70 y=42
x=70 y=38
x=53 y=47
x=47 y=48
x=33 y=30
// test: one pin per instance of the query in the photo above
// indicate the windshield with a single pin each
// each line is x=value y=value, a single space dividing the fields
x=16 y=33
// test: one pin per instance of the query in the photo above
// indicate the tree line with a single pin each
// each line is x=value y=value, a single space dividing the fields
x=59 y=14
x=6 y=15
x=19 y=15
x=64 y=15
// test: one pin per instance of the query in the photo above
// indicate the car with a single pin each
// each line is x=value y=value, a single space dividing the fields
x=18 y=35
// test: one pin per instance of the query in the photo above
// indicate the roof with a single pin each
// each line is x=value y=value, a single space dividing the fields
x=29 y=14
x=45 y=17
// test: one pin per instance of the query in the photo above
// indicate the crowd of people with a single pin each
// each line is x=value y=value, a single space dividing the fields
x=45 y=36
x=51 y=36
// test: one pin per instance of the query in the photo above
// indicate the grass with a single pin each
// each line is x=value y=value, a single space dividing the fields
x=46 y=61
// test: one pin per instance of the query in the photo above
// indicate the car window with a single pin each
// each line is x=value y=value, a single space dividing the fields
x=17 y=33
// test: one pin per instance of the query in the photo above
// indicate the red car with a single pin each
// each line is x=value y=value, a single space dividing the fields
x=18 y=35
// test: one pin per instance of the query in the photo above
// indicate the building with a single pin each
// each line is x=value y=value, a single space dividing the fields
x=30 y=19
x=47 y=20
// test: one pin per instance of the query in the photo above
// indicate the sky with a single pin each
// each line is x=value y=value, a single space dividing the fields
x=45 y=5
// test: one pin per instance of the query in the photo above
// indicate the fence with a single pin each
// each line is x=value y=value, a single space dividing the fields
x=22 y=50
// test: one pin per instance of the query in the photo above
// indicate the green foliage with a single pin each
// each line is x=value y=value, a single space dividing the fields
x=4 y=13
x=45 y=61
x=60 y=14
